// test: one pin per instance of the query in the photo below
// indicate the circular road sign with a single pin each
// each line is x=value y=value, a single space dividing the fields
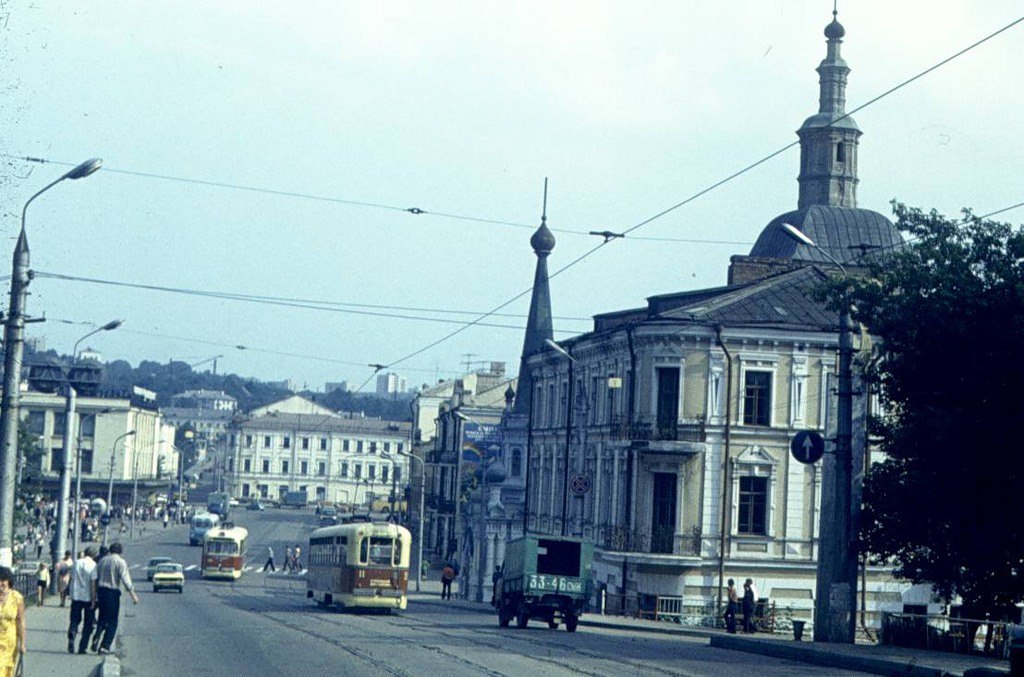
x=579 y=484
x=105 y=519
x=807 y=446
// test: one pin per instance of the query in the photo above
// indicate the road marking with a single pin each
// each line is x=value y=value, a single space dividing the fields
x=135 y=566
x=303 y=572
x=248 y=568
x=191 y=567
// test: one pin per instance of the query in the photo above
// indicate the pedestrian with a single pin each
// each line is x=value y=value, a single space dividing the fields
x=12 y=623
x=40 y=540
x=166 y=519
x=111 y=575
x=42 y=583
x=748 y=606
x=83 y=599
x=64 y=575
x=296 y=559
x=270 y=560
x=447 y=576
x=288 y=559
x=732 y=603
x=495 y=586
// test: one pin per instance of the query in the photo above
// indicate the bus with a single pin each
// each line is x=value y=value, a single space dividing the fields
x=224 y=552
x=199 y=525
x=363 y=565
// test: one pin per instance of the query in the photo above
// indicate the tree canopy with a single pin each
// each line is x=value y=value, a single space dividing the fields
x=945 y=504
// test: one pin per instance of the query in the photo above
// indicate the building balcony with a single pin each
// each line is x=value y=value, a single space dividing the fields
x=671 y=437
x=656 y=545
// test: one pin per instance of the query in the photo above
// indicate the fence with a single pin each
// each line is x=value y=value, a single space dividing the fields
x=944 y=633
x=25 y=583
x=671 y=608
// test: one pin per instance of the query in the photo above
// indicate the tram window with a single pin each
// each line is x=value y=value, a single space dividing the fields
x=381 y=550
x=222 y=547
x=364 y=547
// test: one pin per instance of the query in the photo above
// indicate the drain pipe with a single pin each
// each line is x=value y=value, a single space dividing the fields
x=725 y=468
x=629 y=455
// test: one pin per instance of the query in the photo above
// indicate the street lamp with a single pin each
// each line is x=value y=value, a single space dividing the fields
x=13 y=342
x=135 y=488
x=76 y=525
x=568 y=431
x=838 y=552
x=110 y=487
x=69 y=438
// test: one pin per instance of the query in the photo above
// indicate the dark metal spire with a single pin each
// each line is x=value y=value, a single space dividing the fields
x=538 y=324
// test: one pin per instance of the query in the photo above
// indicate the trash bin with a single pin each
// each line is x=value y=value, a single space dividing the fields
x=1017 y=650
x=798 y=630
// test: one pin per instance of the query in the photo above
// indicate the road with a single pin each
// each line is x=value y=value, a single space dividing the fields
x=263 y=625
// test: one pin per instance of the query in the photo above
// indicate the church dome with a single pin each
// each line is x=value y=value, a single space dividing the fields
x=835 y=30
x=542 y=241
x=844 y=232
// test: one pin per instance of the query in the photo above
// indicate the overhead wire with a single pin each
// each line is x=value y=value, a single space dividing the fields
x=416 y=211
x=716 y=185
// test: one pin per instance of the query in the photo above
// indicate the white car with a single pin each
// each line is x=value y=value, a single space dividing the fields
x=233 y=502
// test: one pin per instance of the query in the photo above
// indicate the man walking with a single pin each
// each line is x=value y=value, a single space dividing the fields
x=447 y=576
x=270 y=560
x=82 y=588
x=111 y=575
x=288 y=558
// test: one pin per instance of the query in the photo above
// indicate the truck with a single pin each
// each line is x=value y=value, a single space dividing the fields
x=545 y=578
x=295 y=499
x=218 y=503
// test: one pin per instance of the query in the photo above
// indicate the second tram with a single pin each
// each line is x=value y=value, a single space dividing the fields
x=359 y=565
x=224 y=552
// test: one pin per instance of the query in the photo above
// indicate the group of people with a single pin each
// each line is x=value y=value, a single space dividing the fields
x=747 y=604
x=94 y=583
x=292 y=560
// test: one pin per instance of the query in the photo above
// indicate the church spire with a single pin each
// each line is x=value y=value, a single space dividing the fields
x=828 y=140
x=538 y=324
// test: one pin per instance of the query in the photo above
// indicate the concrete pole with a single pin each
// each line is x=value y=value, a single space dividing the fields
x=65 y=483
x=14 y=344
x=135 y=490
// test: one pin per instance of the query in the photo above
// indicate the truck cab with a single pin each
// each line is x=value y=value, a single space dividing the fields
x=545 y=578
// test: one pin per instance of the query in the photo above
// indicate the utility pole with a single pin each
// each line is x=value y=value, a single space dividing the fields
x=65 y=482
x=14 y=336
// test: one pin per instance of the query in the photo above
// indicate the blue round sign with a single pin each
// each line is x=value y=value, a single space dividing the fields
x=807 y=446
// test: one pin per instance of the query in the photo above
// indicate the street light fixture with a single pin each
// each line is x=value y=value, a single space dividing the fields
x=110 y=487
x=838 y=552
x=76 y=525
x=419 y=533
x=569 y=406
x=69 y=438
x=13 y=341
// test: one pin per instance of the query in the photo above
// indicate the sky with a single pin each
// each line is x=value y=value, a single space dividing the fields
x=292 y=135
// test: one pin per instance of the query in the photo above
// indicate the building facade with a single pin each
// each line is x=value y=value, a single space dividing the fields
x=297 y=445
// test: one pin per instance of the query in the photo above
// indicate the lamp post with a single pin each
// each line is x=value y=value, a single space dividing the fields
x=835 y=603
x=69 y=438
x=419 y=527
x=13 y=343
x=110 y=487
x=76 y=527
x=569 y=406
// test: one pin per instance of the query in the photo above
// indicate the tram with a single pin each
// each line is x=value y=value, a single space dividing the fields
x=359 y=565
x=224 y=552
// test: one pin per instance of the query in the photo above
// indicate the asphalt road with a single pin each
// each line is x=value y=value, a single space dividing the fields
x=263 y=625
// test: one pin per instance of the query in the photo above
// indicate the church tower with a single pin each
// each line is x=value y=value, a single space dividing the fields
x=828 y=140
x=538 y=324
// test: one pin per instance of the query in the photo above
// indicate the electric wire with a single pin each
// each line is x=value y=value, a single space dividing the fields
x=718 y=184
x=416 y=211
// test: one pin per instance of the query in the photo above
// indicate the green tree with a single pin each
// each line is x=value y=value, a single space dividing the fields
x=30 y=456
x=945 y=503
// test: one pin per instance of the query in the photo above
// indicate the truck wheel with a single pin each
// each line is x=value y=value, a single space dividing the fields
x=570 y=623
x=522 y=617
x=553 y=624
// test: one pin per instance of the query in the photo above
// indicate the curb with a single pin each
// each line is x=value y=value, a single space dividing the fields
x=110 y=667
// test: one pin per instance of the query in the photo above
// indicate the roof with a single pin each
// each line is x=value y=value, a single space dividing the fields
x=781 y=301
x=844 y=232
x=308 y=424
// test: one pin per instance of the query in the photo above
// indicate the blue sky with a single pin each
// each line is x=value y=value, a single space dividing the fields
x=457 y=108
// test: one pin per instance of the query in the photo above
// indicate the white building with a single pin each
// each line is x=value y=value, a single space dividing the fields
x=390 y=384
x=298 y=445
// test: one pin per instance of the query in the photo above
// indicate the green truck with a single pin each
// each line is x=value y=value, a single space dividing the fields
x=546 y=578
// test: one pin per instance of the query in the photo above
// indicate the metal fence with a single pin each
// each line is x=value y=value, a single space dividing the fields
x=672 y=608
x=25 y=583
x=944 y=633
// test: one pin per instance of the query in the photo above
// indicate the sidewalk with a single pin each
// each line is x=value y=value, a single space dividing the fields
x=47 y=629
x=869 y=658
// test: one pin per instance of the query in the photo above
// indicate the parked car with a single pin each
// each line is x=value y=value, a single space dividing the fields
x=255 y=505
x=152 y=565
x=168 y=576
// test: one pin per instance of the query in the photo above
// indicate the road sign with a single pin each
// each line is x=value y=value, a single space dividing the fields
x=807 y=446
x=105 y=519
x=579 y=484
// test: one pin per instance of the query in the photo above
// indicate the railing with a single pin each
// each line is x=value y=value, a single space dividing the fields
x=664 y=608
x=669 y=431
x=936 y=632
x=654 y=541
x=25 y=583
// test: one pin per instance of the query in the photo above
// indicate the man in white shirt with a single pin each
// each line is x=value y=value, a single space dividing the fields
x=82 y=588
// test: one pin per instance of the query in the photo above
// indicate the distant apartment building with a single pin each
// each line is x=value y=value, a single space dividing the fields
x=207 y=413
x=298 y=445
x=390 y=384
x=216 y=400
x=331 y=386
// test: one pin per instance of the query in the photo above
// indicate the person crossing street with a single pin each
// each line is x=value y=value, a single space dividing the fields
x=270 y=560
